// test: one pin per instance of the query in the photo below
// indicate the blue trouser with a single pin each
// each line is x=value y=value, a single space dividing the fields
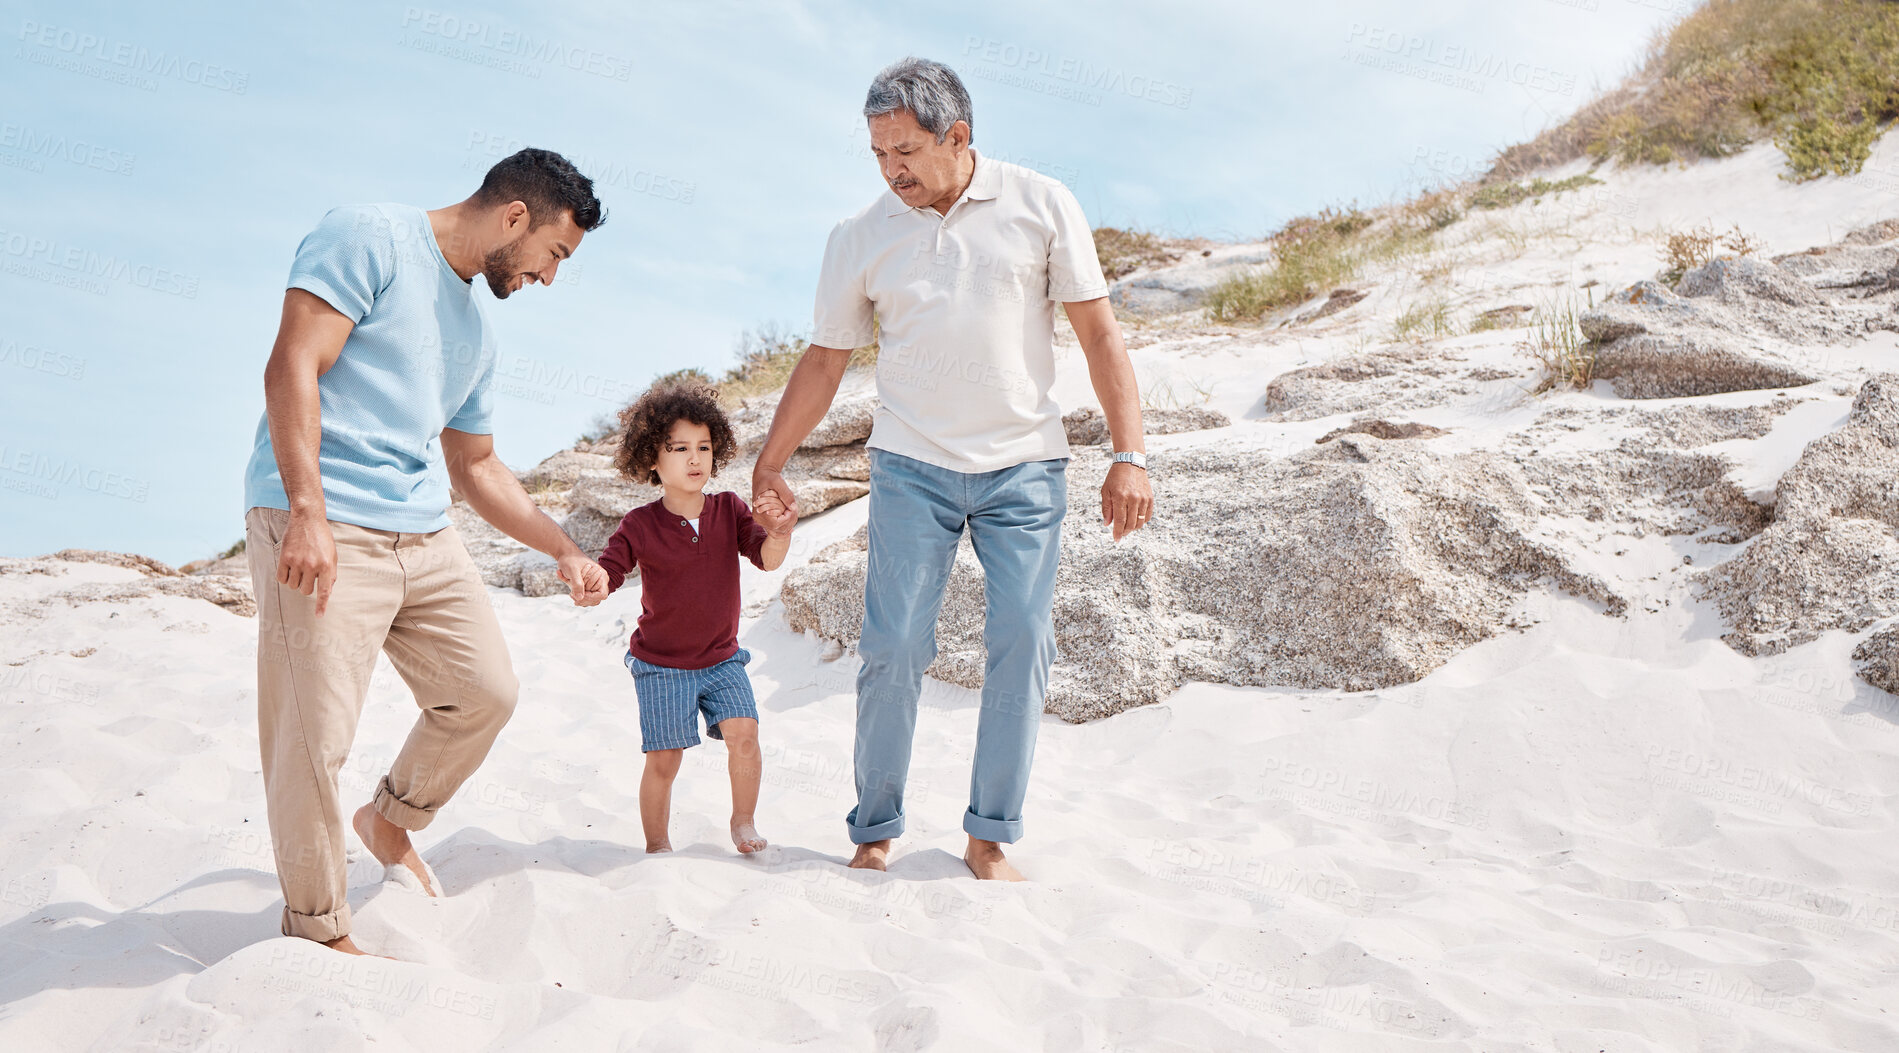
x=917 y=514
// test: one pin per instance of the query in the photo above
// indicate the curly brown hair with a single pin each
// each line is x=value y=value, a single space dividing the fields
x=648 y=421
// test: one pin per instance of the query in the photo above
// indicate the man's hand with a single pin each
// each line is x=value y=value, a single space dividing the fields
x=770 y=481
x=585 y=579
x=773 y=515
x=1126 y=499
x=306 y=561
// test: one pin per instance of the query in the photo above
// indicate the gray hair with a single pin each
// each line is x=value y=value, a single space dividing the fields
x=931 y=91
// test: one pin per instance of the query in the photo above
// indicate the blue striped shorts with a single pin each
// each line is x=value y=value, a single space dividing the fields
x=671 y=700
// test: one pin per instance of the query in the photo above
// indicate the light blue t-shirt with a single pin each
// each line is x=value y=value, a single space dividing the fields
x=420 y=359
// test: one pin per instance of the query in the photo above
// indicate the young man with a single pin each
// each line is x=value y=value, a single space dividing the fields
x=961 y=262
x=378 y=397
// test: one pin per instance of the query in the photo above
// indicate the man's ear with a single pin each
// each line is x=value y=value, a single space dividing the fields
x=514 y=218
x=959 y=135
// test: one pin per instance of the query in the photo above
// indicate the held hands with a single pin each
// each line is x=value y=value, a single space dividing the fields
x=585 y=579
x=773 y=503
x=306 y=560
x=1126 y=499
x=772 y=513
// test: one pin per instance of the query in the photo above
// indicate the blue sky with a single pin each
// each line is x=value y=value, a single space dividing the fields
x=158 y=166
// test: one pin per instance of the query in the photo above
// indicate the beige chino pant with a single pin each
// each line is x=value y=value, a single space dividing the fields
x=416 y=597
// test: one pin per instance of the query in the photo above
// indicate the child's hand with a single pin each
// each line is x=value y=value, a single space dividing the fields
x=773 y=515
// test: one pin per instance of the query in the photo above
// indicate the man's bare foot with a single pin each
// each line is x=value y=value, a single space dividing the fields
x=745 y=837
x=656 y=847
x=872 y=855
x=390 y=845
x=985 y=860
x=348 y=946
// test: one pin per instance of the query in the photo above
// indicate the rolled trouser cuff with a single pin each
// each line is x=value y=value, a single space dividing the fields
x=392 y=808
x=1001 y=831
x=319 y=927
x=884 y=831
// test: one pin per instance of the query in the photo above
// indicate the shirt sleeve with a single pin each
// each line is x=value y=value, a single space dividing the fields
x=844 y=311
x=347 y=261
x=621 y=555
x=1074 y=271
x=477 y=415
x=751 y=536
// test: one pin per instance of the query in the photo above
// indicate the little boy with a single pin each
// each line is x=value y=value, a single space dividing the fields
x=684 y=655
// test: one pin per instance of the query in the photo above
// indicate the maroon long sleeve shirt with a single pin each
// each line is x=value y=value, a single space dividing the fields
x=689 y=583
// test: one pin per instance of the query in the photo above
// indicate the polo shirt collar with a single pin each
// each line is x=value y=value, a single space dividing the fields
x=984 y=184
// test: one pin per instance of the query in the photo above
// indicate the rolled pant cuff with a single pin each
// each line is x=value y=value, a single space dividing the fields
x=1001 y=831
x=885 y=831
x=319 y=927
x=390 y=807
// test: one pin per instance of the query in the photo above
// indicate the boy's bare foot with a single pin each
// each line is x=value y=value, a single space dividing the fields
x=872 y=855
x=348 y=946
x=390 y=845
x=745 y=837
x=985 y=860
x=655 y=847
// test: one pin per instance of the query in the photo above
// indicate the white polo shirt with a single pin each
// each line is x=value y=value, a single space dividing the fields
x=964 y=305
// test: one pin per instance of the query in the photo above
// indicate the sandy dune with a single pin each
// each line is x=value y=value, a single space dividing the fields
x=1595 y=833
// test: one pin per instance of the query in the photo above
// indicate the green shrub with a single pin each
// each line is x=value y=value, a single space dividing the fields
x=1818 y=77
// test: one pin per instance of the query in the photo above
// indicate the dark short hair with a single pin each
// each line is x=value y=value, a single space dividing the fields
x=650 y=420
x=547 y=183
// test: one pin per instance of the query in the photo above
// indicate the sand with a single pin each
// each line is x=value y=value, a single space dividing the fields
x=1592 y=834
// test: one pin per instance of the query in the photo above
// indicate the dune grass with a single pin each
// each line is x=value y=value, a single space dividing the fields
x=1820 y=78
x=1556 y=342
x=1428 y=320
x=1505 y=194
x=1122 y=252
x=766 y=356
x=1684 y=250
x=1312 y=254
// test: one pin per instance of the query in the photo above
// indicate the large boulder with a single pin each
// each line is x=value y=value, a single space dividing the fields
x=847 y=421
x=1357 y=564
x=1830 y=560
x=1185 y=286
x=563 y=469
x=1381 y=381
x=1650 y=343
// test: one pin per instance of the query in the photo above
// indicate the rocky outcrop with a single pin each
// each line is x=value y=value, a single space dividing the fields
x=1831 y=558
x=1089 y=426
x=1335 y=301
x=1379 y=428
x=1650 y=343
x=1744 y=323
x=1356 y=564
x=1184 y=287
x=1381 y=381
x=227 y=590
x=1876 y=659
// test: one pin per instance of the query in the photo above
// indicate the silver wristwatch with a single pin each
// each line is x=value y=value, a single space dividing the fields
x=1133 y=457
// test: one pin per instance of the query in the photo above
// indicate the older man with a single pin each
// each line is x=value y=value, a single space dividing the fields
x=379 y=396
x=959 y=265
